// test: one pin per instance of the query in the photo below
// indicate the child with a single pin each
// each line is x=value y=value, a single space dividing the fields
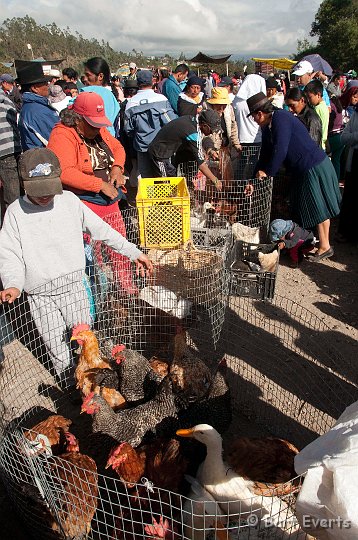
x=42 y=253
x=314 y=93
x=292 y=237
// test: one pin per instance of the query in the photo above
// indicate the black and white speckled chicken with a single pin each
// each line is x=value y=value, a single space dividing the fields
x=158 y=416
x=214 y=406
x=137 y=380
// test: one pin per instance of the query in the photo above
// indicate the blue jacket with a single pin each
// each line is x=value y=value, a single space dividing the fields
x=111 y=105
x=171 y=90
x=287 y=141
x=142 y=122
x=37 y=118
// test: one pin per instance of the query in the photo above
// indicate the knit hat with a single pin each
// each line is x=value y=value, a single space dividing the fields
x=271 y=83
x=55 y=93
x=194 y=80
x=279 y=227
x=211 y=118
x=219 y=96
x=40 y=171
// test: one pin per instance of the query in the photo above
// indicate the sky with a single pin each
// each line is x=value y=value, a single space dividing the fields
x=242 y=27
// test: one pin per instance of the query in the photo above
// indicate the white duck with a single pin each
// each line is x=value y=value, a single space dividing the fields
x=235 y=494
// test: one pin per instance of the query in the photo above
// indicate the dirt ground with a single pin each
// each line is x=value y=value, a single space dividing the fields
x=328 y=289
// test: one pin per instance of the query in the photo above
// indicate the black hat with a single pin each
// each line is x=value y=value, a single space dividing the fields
x=256 y=101
x=194 y=80
x=40 y=171
x=225 y=81
x=211 y=118
x=131 y=83
x=32 y=73
x=272 y=83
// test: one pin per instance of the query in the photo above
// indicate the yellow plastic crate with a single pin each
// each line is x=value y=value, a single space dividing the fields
x=164 y=212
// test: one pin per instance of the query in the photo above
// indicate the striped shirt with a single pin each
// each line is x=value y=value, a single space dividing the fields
x=9 y=132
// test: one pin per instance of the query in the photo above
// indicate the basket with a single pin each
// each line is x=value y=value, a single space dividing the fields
x=246 y=281
x=164 y=212
x=189 y=272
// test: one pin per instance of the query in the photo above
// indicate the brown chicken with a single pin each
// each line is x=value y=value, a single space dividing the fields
x=159 y=366
x=73 y=480
x=269 y=462
x=90 y=363
x=190 y=376
x=161 y=462
x=54 y=428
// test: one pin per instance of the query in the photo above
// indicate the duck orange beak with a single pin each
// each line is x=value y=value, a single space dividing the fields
x=185 y=432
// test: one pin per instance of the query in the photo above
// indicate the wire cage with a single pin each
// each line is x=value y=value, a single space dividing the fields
x=243 y=200
x=282 y=377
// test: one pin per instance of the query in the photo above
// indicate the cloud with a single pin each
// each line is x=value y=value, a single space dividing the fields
x=241 y=27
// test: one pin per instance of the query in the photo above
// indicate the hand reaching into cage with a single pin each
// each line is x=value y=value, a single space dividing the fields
x=9 y=295
x=261 y=175
x=249 y=189
x=143 y=266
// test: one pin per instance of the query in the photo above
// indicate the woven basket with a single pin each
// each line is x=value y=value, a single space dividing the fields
x=189 y=272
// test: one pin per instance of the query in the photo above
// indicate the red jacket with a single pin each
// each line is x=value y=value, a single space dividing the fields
x=77 y=173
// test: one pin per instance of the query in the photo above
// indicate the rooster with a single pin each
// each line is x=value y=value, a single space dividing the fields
x=157 y=415
x=89 y=372
x=73 y=480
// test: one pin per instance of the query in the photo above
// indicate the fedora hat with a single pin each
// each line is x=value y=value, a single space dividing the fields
x=219 y=96
x=256 y=101
x=31 y=73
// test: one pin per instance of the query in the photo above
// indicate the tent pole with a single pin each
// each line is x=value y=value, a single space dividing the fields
x=227 y=70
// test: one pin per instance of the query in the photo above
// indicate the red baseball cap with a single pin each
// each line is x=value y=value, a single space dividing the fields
x=91 y=107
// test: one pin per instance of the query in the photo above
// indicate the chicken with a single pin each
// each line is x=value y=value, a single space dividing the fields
x=264 y=460
x=73 y=480
x=158 y=416
x=137 y=381
x=54 y=428
x=89 y=365
x=268 y=261
x=159 y=366
x=160 y=461
x=213 y=407
x=190 y=376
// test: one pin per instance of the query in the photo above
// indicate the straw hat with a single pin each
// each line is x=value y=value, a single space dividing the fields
x=219 y=96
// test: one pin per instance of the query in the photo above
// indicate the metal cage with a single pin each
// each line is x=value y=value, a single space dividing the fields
x=284 y=375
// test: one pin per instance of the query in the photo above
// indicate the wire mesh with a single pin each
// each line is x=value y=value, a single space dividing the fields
x=284 y=377
x=250 y=206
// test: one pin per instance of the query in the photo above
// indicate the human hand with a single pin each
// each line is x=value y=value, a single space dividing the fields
x=218 y=184
x=109 y=190
x=249 y=189
x=214 y=155
x=281 y=245
x=9 y=295
x=116 y=176
x=143 y=266
x=261 y=175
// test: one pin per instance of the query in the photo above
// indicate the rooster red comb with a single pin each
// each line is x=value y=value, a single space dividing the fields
x=81 y=327
x=117 y=349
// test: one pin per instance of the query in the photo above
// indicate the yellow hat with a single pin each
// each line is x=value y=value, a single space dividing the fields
x=219 y=96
